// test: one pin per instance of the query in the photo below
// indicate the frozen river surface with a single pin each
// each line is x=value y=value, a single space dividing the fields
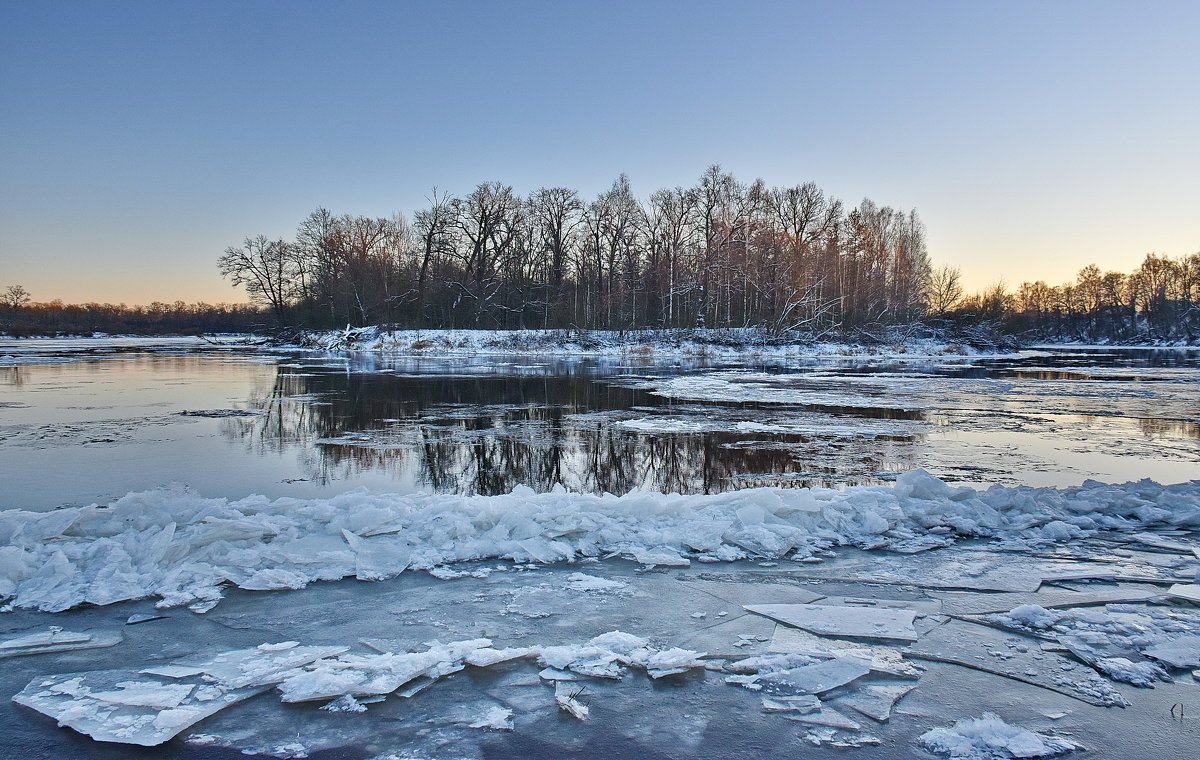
x=120 y=417
x=847 y=607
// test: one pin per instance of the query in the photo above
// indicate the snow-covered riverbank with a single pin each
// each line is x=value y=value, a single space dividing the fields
x=747 y=343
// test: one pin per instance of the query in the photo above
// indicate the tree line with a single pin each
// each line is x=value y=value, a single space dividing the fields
x=20 y=316
x=1158 y=301
x=720 y=253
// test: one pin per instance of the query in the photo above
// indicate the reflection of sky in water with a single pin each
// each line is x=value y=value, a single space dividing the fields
x=96 y=428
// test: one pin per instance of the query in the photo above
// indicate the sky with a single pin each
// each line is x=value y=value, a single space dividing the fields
x=139 y=139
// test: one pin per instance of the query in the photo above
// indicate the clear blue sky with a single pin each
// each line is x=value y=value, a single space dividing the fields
x=139 y=139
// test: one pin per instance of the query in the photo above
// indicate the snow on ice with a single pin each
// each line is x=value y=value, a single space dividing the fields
x=990 y=737
x=183 y=548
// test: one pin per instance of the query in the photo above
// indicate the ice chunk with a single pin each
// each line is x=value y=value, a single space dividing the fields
x=674 y=659
x=145 y=694
x=855 y=622
x=1187 y=591
x=274 y=579
x=1136 y=673
x=54 y=635
x=554 y=674
x=482 y=658
x=876 y=701
x=380 y=557
x=118 y=706
x=142 y=617
x=660 y=555
x=584 y=582
x=566 y=696
x=345 y=704
x=1079 y=574
x=1033 y=616
x=825 y=716
x=990 y=737
x=805 y=703
x=633 y=650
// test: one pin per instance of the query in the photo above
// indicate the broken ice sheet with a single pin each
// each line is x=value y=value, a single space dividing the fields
x=814 y=679
x=55 y=639
x=263 y=665
x=1018 y=658
x=124 y=706
x=854 y=622
x=876 y=700
x=961 y=603
x=1112 y=659
x=884 y=660
x=804 y=703
x=368 y=675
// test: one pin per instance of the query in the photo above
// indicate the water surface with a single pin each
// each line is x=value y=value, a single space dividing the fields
x=86 y=421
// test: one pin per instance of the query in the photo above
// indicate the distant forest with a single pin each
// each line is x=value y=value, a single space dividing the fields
x=20 y=317
x=791 y=261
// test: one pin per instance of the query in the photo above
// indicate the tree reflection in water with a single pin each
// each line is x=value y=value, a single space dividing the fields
x=487 y=433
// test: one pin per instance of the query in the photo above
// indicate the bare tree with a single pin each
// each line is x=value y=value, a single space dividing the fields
x=488 y=219
x=14 y=296
x=944 y=290
x=435 y=231
x=266 y=268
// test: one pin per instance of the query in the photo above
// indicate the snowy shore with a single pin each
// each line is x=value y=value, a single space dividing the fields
x=741 y=343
